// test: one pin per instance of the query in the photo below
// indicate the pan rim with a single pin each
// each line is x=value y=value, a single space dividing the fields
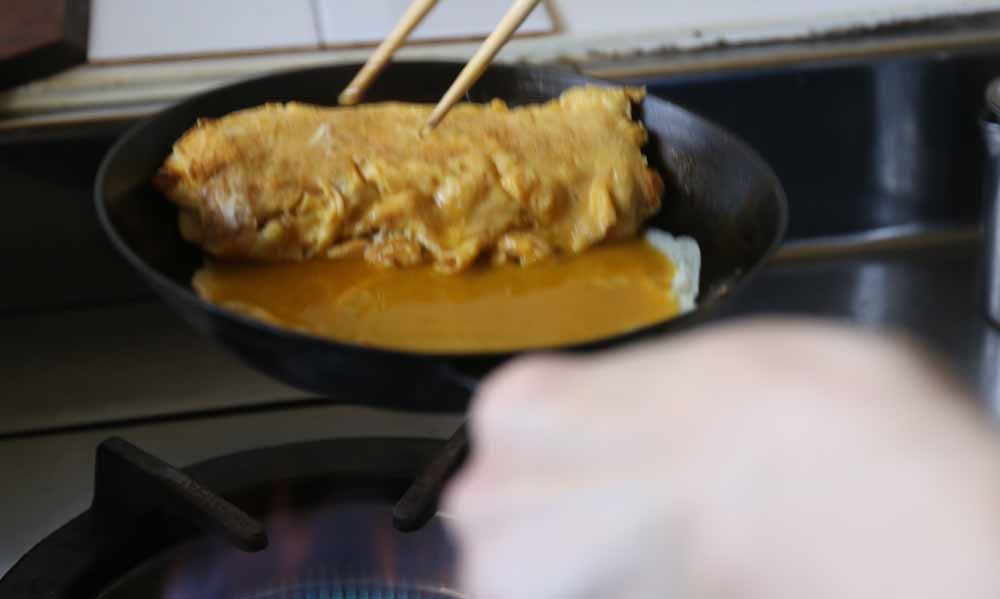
x=156 y=278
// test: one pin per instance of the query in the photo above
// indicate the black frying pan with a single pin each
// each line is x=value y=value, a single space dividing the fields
x=719 y=191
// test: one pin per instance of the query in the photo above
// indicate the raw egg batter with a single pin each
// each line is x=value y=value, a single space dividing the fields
x=610 y=289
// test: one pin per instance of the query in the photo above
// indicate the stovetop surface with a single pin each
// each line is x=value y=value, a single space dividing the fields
x=929 y=291
x=99 y=362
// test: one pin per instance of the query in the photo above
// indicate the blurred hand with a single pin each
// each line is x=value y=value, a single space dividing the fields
x=764 y=460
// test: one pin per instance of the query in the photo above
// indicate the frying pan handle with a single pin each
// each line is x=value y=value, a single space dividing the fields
x=419 y=503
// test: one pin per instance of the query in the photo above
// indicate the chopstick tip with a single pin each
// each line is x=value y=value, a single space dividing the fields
x=349 y=97
x=431 y=123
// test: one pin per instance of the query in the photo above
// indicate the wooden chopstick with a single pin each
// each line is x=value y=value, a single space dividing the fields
x=481 y=60
x=414 y=14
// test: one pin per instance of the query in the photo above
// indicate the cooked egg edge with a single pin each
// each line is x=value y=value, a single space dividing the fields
x=685 y=255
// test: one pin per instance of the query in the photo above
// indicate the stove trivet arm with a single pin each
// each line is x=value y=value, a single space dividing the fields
x=419 y=503
x=130 y=482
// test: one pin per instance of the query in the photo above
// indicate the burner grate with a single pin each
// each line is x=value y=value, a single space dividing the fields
x=129 y=482
x=153 y=531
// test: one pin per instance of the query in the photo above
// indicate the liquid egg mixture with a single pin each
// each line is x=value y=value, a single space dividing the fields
x=610 y=289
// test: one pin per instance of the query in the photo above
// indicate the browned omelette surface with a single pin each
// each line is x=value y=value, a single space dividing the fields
x=610 y=289
x=294 y=181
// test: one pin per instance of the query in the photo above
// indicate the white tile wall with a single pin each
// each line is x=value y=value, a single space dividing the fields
x=124 y=29
x=343 y=22
x=139 y=28
x=135 y=29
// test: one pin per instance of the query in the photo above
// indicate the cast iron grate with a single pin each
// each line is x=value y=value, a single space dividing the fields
x=144 y=511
